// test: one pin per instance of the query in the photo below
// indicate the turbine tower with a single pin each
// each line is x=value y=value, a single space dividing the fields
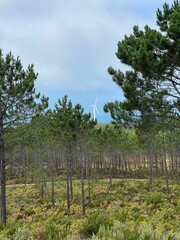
x=95 y=110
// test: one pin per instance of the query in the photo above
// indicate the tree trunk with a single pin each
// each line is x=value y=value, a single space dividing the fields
x=149 y=154
x=71 y=176
x=82 y=187
x=42 y=179
x=52 y=190
x=2 y=171
x=67 y=182
x=52 y=180
x=165 y=162
x=156 y=166
x=89 y=180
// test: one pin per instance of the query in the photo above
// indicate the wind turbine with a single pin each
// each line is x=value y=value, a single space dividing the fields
x=95 y=110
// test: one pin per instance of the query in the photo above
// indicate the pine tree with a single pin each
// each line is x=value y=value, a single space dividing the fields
x=17 y=104
x=152 y=87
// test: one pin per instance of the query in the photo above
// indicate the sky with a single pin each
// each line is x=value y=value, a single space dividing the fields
x=72 y=44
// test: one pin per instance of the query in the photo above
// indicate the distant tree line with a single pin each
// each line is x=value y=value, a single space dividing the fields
x=65 y=144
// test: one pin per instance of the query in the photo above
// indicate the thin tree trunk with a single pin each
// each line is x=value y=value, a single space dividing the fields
x=52 y=181
x=150 y=166
x=165 y=163
x=67 y=182
x=71 y=176
x=52 y=190
x=2 y=171
x=176 y=169
x=42 y=179
x=82 y=187
x=89 y=180
x=11 y=165
x=122 y=166
x=156 y=166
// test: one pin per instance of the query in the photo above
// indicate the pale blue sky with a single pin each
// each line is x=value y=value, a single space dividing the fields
x=72 y=43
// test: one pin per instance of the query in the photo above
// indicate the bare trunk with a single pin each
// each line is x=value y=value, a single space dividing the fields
x=52 y=190
x=71 y=177
x=150 y=166
x=82 y=187
x=42 y=180
x=165 y=163
x=52 y=181
x=67 y=182
x=156 y=165
x=2 y=172
x=89 y=180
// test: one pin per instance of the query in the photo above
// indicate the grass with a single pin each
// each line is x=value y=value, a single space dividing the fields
x=123 y=210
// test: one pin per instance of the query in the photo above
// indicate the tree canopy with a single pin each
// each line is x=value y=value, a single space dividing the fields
x=152 y=86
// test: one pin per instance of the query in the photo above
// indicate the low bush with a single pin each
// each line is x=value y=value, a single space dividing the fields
x=92 y=224
x=117 y=232
x=51 y=231
x=121 y=215
x=122 y=231
x=23 y=234
x=154 y=198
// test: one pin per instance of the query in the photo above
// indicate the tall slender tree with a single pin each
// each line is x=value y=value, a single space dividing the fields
x=17 y=104
x=70 y=123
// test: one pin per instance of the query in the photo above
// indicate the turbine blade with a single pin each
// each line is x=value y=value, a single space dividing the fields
x=96 y=110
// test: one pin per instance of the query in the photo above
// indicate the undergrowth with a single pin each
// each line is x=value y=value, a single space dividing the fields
x=124 y=210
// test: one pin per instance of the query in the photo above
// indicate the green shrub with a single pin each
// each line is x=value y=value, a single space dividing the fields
x=3 y=237
x=122 y=231
x=117 y=232
x=154 y=198
x=11 y=229
x=121 y=215
x=51 y=231
x=92 y=224
x=168 y=216
x=146 y=233
x=23 y=234
x=73 y=237
x=143 y=185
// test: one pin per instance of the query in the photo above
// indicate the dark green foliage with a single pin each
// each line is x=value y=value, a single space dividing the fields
x=17 y=90
x=121 y=215
x=151 y=88
x=68 y=122
x=51 y=231
x=91 y=225
x=154 y=198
